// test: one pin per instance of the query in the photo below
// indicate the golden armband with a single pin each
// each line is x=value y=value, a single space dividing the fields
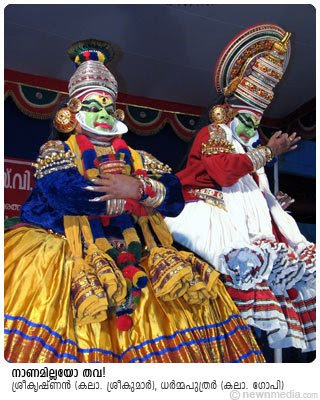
x=260 y=156
x=155 y=191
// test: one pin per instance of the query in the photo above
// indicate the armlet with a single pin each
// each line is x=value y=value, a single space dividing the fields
x=152 y=165
x=53 y=157
x=217 y=142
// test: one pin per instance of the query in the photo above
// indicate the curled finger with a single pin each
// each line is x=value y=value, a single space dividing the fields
x=102 y=198
x=296 y=139
x=100 y=181
x=277 y=134
x=101 y=189
x=293 y=135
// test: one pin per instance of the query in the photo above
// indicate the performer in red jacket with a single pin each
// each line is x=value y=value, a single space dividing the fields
x=231 y=218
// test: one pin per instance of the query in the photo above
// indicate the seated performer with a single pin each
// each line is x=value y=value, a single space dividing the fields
x=90 y=271
x=231 y=219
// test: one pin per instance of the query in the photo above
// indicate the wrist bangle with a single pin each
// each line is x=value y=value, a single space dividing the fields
x=260 y=156
x=154 y=192
x=115 y=207
x=267 y=152
x=270 y=154
x=142 y=188
x=160 y=195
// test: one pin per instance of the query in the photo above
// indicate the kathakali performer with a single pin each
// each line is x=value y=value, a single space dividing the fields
x=231 y=218
x=90 y=271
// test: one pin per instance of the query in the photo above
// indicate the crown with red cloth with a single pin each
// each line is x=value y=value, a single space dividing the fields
x=252 y=64
x=91 y=57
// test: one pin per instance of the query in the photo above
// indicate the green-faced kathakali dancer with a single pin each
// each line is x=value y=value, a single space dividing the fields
x=231 y=219
x=91 y=274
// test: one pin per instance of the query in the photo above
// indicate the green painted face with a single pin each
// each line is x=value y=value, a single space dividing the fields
x=247 y=126
x=98 y=112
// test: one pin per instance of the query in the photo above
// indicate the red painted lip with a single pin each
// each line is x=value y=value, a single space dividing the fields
x=102 y=125
x=243 y=136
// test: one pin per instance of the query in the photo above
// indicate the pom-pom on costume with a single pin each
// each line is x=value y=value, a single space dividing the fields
x=231 y=218
x=99 y=281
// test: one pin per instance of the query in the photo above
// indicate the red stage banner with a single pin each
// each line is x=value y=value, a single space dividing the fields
x=18 y=183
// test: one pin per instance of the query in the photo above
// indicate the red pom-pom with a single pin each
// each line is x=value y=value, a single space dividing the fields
x=130 y=205
x=136 y=293
x=135 y=208
x=129 y=271
x=125 y=256
x=141 y=172
x=150 y=192
x=119 y=144
x=86 y=54
x=124 y=322
x=293 y=293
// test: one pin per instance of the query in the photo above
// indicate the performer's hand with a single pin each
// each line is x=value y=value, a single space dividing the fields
x=281 y=142
x=116 y=186
x=284 y=199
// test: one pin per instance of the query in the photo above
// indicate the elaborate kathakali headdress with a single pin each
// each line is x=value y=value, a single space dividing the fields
x=92 y=75
x=252 y=64
x=91 y=57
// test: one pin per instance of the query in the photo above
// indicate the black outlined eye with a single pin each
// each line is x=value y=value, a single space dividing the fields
x=94 y=109
x=247 y=122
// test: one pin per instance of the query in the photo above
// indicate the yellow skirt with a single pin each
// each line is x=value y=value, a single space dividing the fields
x=40 y=326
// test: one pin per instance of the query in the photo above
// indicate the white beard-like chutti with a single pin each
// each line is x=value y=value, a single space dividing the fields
x=233 y=124
x=119 y=128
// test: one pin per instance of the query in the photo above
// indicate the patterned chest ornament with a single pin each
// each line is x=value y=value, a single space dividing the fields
x=217 y=142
